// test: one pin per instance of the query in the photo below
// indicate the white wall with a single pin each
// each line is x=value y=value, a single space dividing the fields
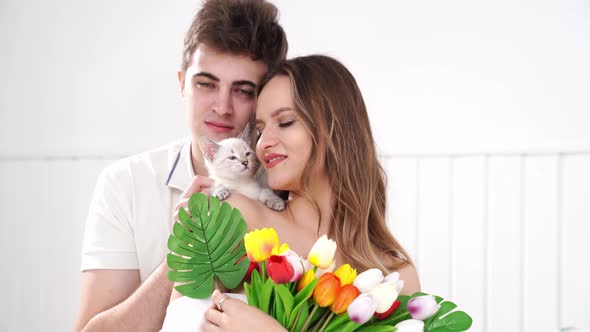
x=481 y=111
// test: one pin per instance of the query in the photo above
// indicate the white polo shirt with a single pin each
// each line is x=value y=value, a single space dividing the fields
x=130 y=217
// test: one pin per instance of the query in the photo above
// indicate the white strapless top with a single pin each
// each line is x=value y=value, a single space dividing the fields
x=186 y=315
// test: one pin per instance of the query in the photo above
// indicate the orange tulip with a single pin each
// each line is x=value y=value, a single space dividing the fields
x=308 y=277
x=326 y=290
x=346 y=295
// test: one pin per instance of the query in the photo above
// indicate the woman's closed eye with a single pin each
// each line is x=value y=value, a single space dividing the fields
x=286 y=124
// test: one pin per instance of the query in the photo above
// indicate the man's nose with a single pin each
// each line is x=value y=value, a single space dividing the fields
x=223 y=103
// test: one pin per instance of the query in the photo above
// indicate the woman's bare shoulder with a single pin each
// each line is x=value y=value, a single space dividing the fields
x=254 y=212
x=407 y=273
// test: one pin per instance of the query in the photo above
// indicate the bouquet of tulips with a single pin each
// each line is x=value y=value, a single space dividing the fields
x=209 y=246
x=307 y=295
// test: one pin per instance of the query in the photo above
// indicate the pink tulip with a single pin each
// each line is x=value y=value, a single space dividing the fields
x=296 y=263
x=362 y=308
x=423 y=307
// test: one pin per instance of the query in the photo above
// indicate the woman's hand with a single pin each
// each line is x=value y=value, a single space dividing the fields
x=236 y=315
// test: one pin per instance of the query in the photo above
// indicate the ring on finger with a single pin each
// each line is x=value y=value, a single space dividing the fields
x=220 y=302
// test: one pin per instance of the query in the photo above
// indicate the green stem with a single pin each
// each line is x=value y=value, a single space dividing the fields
x=263 y=271
x=399 y=316
x=327 y=321
x=319 y=323
x=306 y=324
x=292 y=329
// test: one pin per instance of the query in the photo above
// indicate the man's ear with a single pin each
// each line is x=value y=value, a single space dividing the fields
x=209 y=147
x=181 y=82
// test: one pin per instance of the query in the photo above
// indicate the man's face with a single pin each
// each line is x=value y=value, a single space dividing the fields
x=219 y=91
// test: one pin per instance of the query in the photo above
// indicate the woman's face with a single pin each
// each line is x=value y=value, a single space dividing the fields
x=284 y=145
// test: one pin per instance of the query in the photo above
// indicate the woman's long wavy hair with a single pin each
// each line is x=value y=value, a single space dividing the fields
x=330 y=103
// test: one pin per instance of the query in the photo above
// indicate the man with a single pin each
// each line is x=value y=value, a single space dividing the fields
x=227 y=50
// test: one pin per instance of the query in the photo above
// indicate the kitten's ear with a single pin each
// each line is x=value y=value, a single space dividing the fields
x=246 y=134
x=209 y=147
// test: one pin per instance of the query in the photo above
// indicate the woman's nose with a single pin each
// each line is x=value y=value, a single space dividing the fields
x=267 y=139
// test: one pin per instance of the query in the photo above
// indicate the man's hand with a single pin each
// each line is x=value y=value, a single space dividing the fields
x=199 y=184
x=111 y=300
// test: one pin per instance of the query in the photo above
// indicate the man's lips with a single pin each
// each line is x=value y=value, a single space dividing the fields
x=273 y=159
x=219 y=127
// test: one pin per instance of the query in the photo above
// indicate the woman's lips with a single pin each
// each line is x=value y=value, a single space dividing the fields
x=273 y=159
x=219 y=127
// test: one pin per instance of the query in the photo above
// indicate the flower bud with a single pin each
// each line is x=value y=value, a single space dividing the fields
x=423 y=307
x=345 y=297
x=346 y=274
x=385 y=294
x=326 y=290
x=322 y=253
x=367 y=280
x=362 y=308
x=410 y=325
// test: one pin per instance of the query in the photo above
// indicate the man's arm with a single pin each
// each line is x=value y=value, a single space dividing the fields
x=112 y=301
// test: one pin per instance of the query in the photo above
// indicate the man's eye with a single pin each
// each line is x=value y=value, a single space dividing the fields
x=232 y=158
x=204 y=85
x=246 y=92
x=286 y=124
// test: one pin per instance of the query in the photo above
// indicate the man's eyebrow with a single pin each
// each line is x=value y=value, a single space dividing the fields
x=208 y=75
x=244 y=82
x=216 y=79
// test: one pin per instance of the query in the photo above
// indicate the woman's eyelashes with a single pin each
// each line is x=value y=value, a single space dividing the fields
x=286 y=124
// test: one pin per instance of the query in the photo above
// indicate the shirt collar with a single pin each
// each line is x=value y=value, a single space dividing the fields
x=180 y=167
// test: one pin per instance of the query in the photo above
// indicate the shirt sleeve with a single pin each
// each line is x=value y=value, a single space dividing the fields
x=109 y=241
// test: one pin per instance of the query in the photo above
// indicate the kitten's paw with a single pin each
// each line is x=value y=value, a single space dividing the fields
x=221 y=193
x=276 y=204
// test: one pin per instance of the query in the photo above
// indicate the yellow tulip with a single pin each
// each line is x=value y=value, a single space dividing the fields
x=308 y=277
x=261 y=243
x=277 y=251
x=346 y=274
x=322 y=253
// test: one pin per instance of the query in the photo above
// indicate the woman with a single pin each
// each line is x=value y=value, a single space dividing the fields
x=315 y=142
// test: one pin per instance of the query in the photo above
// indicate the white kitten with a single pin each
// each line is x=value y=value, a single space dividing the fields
x=233 y=165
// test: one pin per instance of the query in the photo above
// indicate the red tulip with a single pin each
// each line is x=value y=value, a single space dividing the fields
x=346 y=295
x=326 y=290
x=279 y=269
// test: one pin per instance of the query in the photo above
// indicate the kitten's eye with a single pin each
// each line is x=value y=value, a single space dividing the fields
x=232 y=158
x=286 y=124
x=247 y=154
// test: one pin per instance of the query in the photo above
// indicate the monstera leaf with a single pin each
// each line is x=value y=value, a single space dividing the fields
x=206 y=247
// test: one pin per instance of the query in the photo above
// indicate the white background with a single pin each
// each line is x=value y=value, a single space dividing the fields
x=481 y=111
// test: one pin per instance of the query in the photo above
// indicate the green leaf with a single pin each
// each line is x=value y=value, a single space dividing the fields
x=381 y=328
x=207 y=246
x=265 y=296
x=285 y=297
x=304 y=308
x=337 y=322
x=349 y=327
x=455 y=321
x=305 y=293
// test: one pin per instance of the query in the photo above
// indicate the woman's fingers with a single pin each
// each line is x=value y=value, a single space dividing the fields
x=213 y=316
